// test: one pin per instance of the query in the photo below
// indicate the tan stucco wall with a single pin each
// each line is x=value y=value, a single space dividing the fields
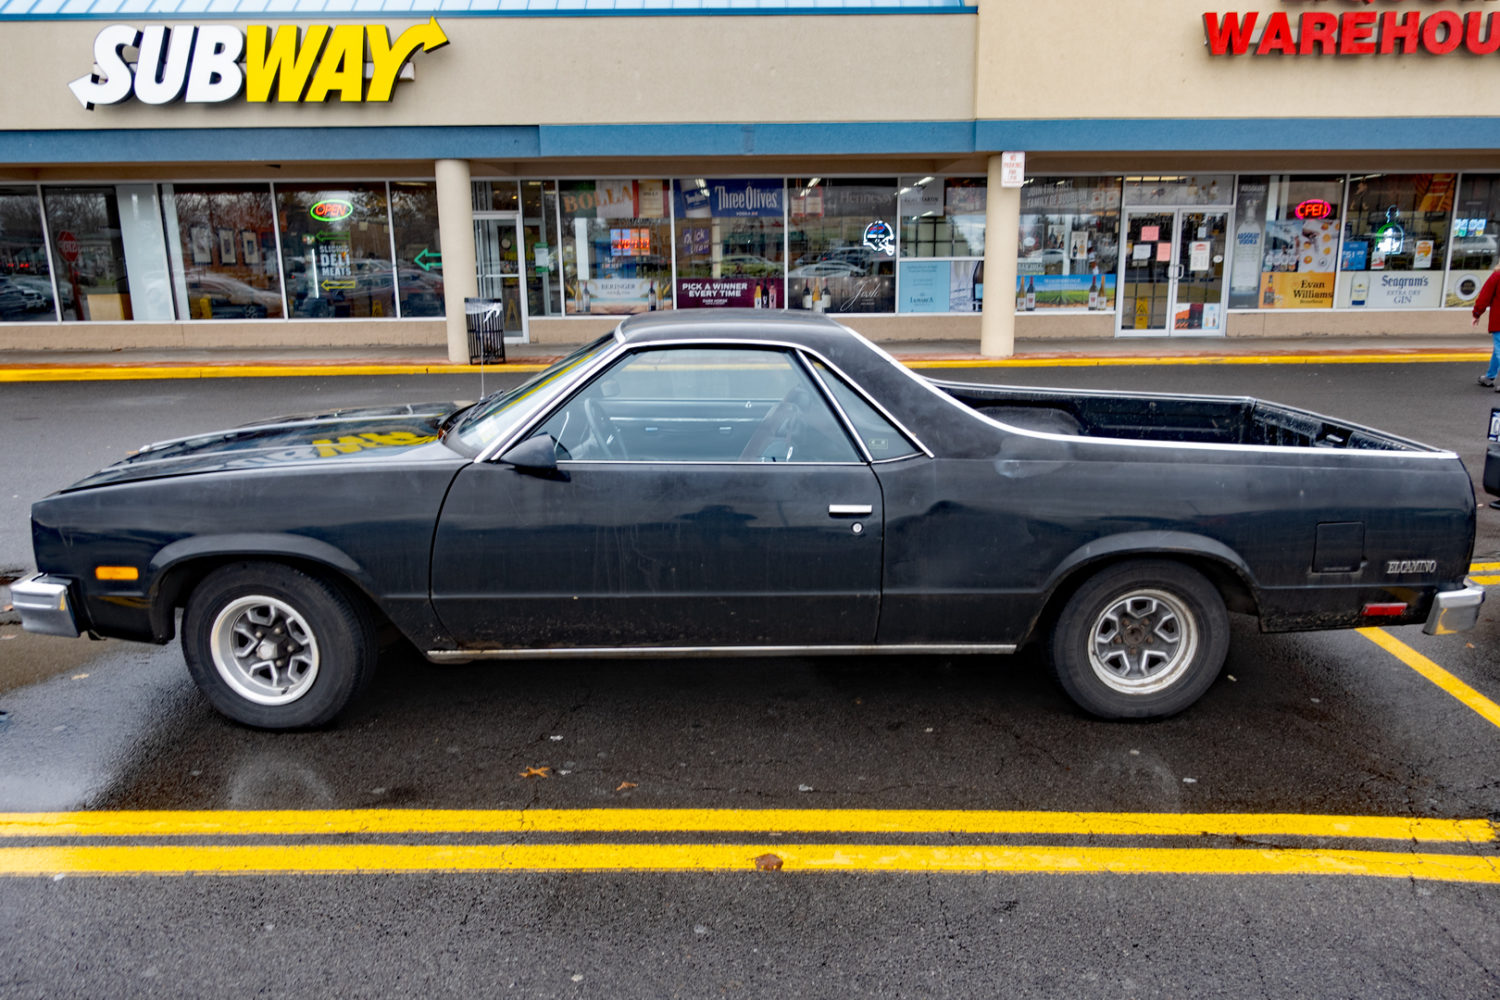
x=1148 y=59
x=605 y=70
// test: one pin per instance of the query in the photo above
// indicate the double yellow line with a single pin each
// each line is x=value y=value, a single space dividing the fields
x=341 y=842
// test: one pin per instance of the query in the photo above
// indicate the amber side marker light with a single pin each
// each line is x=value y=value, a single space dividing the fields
x=116 y=573
x=1375 y=610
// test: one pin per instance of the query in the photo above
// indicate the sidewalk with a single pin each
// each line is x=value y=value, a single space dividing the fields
x=19 y=366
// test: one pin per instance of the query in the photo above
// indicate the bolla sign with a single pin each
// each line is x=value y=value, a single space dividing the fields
x=216 y=63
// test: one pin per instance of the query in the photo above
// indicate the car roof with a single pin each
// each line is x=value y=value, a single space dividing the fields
x=748 y=325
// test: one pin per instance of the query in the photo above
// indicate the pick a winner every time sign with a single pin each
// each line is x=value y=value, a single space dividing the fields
x=1353 y=33
x=202 y=65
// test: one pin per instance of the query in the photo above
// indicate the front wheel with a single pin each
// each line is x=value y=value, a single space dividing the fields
x=1140 y=640
x=275 y=648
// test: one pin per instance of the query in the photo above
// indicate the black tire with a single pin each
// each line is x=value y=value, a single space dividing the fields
x=273 y=647
x=1140 y=640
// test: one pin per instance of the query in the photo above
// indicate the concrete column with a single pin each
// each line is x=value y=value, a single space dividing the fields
x=456 y=228
x=1002 y=221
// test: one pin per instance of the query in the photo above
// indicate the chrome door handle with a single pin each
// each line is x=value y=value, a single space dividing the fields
x=849 y=509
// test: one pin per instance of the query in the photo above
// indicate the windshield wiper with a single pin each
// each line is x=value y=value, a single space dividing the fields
x=447 y=422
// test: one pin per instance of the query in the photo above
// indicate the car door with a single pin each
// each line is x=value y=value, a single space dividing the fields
x=704 y=496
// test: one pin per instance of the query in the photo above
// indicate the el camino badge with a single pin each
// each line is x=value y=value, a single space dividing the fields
x=1396 y=566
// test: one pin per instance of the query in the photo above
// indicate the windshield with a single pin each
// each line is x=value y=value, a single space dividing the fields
x=496 y=415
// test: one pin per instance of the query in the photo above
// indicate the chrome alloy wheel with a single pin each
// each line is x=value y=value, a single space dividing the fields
x=1143 y=642
x=264 y=650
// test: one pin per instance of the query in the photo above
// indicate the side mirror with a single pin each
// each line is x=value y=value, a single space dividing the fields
x=536 y=455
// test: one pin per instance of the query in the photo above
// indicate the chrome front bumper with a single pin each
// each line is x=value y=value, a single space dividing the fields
x=44 y=605
x=1455 y=610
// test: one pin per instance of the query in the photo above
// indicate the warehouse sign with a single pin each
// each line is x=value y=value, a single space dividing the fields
x=1351 y=33
x=353 y=63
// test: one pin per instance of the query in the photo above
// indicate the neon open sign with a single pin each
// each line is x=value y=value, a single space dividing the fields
x=1314 y=208
x=331 y=210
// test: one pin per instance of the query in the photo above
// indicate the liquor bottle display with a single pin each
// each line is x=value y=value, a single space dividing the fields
x=651 y=300
x=1094 y=291
x=1030 y=293
x=807 y=299
x=978 y=293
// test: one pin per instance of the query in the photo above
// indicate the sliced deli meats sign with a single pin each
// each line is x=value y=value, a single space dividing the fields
x=212 y=64
x=1365 y=32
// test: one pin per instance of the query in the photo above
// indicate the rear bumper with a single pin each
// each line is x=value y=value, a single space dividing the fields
x=45 y=605
x=1455 y=610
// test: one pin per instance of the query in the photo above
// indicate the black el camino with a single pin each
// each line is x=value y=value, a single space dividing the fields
x=754 y=483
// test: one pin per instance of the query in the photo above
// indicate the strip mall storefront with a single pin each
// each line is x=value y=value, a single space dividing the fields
x=318 y=181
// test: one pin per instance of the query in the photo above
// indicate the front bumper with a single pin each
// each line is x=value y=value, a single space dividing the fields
x=44 y=605
x=1455 y=610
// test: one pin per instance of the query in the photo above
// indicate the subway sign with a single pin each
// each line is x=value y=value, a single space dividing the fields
x=213 y=64
x=1351 y=33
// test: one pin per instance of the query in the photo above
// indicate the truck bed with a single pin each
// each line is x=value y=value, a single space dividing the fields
x=1228 y=420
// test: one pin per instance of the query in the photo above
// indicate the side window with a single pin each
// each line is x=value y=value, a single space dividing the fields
x=880 y=436
x=699 y=404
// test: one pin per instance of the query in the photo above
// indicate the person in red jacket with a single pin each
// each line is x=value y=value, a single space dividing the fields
x=1486 y=300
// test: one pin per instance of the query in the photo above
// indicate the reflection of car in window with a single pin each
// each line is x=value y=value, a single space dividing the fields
x=826 y=269
x=229 y=298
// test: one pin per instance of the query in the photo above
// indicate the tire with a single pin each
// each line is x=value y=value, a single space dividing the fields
x=275 y=648
x=1140 y=640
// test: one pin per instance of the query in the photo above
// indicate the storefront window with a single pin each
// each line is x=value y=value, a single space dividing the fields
x=942 y=218
x=842 y=245
x=1475 y=232
x=227 y=238
x=1286 y=242
x=616 y=245
x=1395 y=241
x=88 y=253
x=495 y=196
x=336 y=250
x=419 y=248
x=1069 y=243
x=25 y=277
x=730 y=240
x=539 y=230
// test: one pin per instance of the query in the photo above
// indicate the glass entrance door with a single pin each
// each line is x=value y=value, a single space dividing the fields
x=1172 y=272
x=1147 y=272
x=1198 y=303
x=499 y=259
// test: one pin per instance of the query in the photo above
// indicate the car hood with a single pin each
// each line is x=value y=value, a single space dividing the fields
x=296 y=440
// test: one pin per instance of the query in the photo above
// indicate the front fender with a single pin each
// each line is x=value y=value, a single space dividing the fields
x=166 y=584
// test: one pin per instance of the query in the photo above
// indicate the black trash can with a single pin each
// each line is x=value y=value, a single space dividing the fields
x=485 y=319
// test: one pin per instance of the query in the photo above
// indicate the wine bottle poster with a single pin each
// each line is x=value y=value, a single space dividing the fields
x=717 y=293
x=1070 y=291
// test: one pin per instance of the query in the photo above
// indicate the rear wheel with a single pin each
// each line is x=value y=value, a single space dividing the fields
x=1140 y=640
x=276 y=648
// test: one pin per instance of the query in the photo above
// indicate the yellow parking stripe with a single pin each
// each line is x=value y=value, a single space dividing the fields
x=1485 y=572
x=1473 y=699
x=178 y=823
x=348 y=859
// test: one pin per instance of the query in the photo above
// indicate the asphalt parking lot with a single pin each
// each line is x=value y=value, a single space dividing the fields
x=1322 y=823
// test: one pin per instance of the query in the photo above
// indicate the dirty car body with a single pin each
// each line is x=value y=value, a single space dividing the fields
x=754 y=483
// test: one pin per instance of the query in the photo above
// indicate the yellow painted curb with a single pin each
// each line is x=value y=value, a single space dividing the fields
x=46 y=373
